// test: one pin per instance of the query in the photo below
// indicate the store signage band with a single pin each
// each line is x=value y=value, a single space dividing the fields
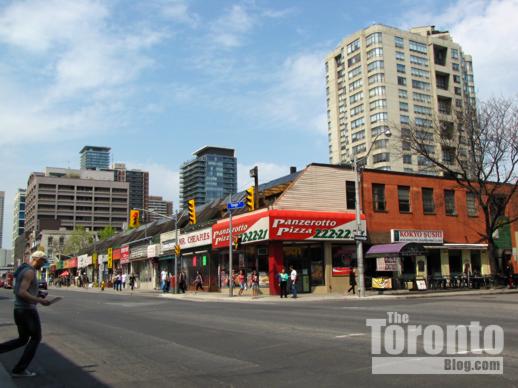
x=195 y=239
x=417 y=236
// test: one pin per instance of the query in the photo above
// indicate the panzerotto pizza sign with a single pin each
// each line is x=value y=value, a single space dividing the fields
x=309 y=225
x=417 y=236
x=251 y=228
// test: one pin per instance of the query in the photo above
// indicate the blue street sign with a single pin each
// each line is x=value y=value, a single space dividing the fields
x=235 y=205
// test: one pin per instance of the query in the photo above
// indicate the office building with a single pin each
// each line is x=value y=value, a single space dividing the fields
x=138 y=186
x=61 y=199
x=95 y=158
x=383 y=77
x=212 y=174
x=159 y=205
x=2 y=201
x=18 y=215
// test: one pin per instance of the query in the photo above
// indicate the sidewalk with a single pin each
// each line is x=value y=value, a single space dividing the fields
x=224 y=296
x=5 y=378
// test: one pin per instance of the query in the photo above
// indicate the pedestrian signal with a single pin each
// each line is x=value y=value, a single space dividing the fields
x=191 y=206
x=134 y=221
x=250 y=198
x=236 y=241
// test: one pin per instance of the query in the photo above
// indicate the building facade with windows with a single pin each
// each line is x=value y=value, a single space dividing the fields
x=18 y=215
x=438 y=219
x=64 y=198
x=211 y=175
x=158 y=205
x=383 y=77
x=138 y=181
x=95 y=158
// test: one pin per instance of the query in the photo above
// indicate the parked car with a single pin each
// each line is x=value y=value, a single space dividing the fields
x=42 y=284
x=2 y=283
x=9 y=280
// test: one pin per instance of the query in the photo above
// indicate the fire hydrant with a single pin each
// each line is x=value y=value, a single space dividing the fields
x=102 y=285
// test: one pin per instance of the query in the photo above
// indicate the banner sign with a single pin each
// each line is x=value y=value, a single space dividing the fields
x=125 y=254
x=341 y=271
x=195 y=239
x=252 y=227
x=417 y=236
x=311 y=225
x=94 y=259
x=382 y=283
x=387 y=264
x=110 y=258
x=116 y=254
x=81 y=261
x=153 y=250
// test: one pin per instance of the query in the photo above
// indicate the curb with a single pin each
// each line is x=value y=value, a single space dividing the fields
x=5 y=378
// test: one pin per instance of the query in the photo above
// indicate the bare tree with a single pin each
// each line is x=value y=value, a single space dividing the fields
x=479 y=149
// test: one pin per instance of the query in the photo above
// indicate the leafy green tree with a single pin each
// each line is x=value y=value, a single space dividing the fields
x=106 y=233
x=79 y=240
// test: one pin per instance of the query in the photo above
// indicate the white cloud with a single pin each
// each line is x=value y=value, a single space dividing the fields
x=78 y=68
x=486 y=30
x=229 y=30
x=178 y=10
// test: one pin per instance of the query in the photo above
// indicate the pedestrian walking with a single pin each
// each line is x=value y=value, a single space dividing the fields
x=242 y=281
x=182 y=281
x=293 y=282
x=509 y=272
x=255 y=283
x=132 y=280
x=198 y=282
x=163 y=279
x=283 y=283
x=124 y=278
x=352 y=281
x=26 y=315
x=119 y=282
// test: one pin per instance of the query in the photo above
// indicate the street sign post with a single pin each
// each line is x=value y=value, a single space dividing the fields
x=235 y=205
x=360 y=236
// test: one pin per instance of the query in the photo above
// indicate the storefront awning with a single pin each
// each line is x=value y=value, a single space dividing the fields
x=458 y=246
x=395 y=249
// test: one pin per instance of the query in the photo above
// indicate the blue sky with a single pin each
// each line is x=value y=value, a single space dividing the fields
x=157 y=79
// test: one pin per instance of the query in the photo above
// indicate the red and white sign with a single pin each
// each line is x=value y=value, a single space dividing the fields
x=252 y=227
x=195 y=239
x=311 y=225
x=116 y=254
x=125 y=254
x=342 y=271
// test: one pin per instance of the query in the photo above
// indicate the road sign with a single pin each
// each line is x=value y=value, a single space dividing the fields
x=235 y=205
x=360 y=236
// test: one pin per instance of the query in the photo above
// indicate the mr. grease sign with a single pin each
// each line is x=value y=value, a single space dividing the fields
x=286 y=225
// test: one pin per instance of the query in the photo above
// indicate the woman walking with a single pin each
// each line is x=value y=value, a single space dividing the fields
x=198 y=282
x=255 y=283
x=242 y=281
x=352 y=281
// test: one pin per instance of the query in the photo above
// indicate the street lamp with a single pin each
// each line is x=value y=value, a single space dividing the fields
x=175 y=219
x=359 y=231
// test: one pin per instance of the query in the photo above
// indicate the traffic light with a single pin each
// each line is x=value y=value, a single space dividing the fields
x=250 y=198
x=134 y=221
x=236 y=242
x=191 y=205
x=177 y=250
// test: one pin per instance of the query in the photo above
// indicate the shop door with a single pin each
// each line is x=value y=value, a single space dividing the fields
x=303 y=267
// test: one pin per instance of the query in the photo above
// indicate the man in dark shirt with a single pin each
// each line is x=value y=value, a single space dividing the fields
x=26 y=315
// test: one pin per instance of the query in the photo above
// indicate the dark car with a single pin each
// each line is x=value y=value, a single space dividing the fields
x=42 y=284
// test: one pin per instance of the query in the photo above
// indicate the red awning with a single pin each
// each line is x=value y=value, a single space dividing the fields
x=65 y=273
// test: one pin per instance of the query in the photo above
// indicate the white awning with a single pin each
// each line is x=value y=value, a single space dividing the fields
x=458 y=246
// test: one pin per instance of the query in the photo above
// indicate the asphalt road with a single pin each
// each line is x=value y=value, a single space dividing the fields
x=106 y=340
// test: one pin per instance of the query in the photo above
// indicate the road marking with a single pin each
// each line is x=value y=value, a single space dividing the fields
x=350 y=335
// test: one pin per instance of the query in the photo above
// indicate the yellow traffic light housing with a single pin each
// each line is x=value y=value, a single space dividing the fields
x=191 y=206
x=236 y=242
x=134 y=221
x=250 y=198
x=177 y=250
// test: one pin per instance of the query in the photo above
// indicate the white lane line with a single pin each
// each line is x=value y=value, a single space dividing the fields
x=350 y=335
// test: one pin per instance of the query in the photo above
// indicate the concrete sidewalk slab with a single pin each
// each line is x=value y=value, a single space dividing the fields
x=5 y=378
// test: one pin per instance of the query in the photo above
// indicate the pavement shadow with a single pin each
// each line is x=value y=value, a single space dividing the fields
x=53 y=370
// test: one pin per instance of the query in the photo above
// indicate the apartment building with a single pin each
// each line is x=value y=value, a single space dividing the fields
x=158 y=205
x=64 y=198
x=95 y=158
x=211 y=175
x=138 y=181
x=18 y=215
x=383 y=78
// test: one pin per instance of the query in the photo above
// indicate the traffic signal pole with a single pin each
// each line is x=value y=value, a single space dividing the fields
x=230 y=241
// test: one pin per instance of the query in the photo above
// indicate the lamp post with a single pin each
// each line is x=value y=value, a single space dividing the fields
x=359 y=231
x=175 y=219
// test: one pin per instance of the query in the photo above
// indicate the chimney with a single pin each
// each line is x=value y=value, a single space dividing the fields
x=293 y=170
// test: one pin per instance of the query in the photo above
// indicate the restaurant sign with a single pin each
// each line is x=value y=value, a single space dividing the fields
x=195 y=239
x=252 y=228
x=311 y=225
x=125 y=254
x=417 y=236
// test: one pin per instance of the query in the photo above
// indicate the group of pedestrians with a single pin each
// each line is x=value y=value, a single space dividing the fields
x=166 y=278
x=283 y=282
